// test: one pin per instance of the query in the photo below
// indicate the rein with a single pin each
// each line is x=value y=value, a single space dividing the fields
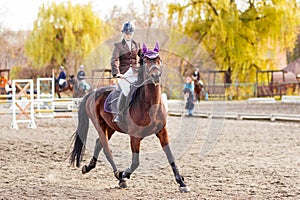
x=134 y=84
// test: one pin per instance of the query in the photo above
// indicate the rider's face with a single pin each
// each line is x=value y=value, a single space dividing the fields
x=128 y=36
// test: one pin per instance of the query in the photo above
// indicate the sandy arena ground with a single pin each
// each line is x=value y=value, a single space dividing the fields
x=220 y=159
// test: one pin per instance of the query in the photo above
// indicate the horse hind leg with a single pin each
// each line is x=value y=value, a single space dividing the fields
x=93 y=161
x=107 y=151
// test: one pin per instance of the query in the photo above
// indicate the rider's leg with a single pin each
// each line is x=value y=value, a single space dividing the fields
x=124 y=87
x=121 y=107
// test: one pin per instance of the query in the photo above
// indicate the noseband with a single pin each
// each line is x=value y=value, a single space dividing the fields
x=152 y=68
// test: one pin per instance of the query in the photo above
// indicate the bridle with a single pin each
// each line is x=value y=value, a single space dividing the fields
x=153 y=67
x=151 y=76
x=153 y=72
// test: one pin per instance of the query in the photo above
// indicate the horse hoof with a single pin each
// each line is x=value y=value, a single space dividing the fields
x=184 y=189
x=84 y=169
x=122 y=184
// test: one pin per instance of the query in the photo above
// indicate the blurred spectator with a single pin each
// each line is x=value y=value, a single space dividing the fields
x=3 y=83
x=189 y=96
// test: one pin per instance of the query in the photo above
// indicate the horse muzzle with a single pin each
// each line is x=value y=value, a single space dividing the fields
x=155 y=75
x=155 y=78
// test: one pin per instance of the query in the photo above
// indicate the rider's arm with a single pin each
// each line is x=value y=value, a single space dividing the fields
x=115 y=61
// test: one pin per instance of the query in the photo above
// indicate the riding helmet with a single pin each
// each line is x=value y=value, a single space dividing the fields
x=128 y=28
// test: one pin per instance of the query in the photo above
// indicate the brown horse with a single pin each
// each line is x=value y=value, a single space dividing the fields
x=145 y=116
x=69 y=86
x=198 y=88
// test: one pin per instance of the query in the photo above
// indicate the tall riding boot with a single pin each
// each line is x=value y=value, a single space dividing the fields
x=121 y=106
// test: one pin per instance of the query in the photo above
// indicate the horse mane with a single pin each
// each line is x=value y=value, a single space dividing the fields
x=141 y=71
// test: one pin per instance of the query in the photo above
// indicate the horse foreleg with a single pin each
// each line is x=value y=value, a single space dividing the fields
x=93 y=161
x=164 y=141
x=134 y=165
x=135 y=148
x=179 y=179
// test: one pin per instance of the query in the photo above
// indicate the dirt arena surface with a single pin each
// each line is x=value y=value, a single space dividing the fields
x=219 y=159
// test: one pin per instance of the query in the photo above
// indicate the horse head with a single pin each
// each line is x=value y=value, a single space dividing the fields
x=152 y=64
x=71 y=82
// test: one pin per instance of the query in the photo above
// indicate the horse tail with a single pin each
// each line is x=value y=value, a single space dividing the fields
x=80 y=135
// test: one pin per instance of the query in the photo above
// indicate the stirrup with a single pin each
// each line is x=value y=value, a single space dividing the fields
x=117 y=118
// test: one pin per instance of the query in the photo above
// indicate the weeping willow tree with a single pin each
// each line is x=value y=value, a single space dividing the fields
x=64 y=34
x=242 y=40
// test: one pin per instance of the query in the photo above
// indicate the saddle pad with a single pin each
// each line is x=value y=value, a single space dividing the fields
x=111 y=102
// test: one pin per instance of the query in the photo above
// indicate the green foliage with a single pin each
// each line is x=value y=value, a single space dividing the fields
x=64 y=34
x=239 y=39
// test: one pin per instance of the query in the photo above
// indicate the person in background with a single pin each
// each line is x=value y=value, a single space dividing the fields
x=124 y=65
x=61 y=80
x=189 y=95
x=3 y=83
x=81 y=78
x=8 y=89
x=81 y=73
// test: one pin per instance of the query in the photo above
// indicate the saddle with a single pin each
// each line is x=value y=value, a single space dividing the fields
x=111 y=102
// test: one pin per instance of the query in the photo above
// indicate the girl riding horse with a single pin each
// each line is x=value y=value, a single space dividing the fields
x=145 y=116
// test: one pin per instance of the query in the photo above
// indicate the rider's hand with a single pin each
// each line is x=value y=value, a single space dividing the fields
x=119 y=76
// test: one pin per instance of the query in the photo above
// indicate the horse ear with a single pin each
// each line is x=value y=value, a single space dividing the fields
x=144 y=48
x=156 y=48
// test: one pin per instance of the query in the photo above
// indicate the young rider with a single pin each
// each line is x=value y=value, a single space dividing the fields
x=124 y=64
